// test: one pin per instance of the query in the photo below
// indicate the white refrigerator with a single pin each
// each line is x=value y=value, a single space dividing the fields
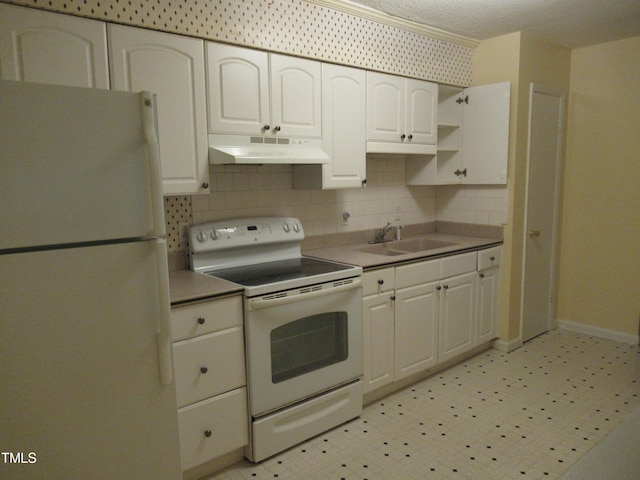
x=86 y=387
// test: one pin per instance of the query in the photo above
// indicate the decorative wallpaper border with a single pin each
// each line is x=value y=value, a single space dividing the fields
x=294 y=27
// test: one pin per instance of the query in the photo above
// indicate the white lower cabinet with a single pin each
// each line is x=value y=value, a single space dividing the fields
x=416 y=329
x=420 y=315
x=211 y=382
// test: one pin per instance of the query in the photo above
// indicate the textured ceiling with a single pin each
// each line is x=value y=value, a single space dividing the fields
x=570 y=23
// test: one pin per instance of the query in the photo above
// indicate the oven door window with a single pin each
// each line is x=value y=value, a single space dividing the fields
x=308 y=344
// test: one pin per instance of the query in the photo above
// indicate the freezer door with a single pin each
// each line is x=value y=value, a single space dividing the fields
x=81 y=389
x=74 y=165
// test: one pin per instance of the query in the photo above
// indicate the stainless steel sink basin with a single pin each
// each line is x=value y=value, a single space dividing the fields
x=387 y=249
x=420 y=244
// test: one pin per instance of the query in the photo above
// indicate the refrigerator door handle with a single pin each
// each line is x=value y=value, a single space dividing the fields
x=164 y=340
x=149 y=119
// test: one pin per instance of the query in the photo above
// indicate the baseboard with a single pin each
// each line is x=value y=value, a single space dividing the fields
x=507 y=345
x=599 y=332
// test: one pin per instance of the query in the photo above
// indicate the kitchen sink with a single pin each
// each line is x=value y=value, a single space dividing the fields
x=404 y=247
x=420 y=244
x=382 y=249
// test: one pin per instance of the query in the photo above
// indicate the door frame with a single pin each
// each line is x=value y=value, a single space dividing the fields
x=555 y=92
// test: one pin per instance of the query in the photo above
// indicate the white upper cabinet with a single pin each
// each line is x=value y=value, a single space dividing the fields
x=421 y=111
x=238 y=89
x=473 y=138
x=256 y=93
x=401 y=114
x=171 y=66
x=296 y=96
x=343 y=122
x=44 y=47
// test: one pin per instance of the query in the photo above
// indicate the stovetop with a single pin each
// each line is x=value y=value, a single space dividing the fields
x=261 y=253
x=280 y=271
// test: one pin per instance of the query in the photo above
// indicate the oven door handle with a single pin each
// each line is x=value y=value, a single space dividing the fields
x=259 y=303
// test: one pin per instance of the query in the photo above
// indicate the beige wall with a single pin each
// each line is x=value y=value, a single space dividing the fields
x=521 y=59
x=600 y=248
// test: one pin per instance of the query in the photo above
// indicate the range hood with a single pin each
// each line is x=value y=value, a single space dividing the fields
x=254 y=150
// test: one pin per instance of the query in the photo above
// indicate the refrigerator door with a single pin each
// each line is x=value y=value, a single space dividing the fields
x=81 y=392
x=74 y=165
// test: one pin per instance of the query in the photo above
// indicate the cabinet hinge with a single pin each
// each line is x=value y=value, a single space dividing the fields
x=464 y=99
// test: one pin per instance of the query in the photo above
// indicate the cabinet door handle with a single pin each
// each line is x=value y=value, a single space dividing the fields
x=438 y=288
x=277 y=128
x=403 y=136
x=207 y=433
x=534 y=233
x=266 y=127
x=204 y=369
x=446 y=287
x=410 y=137
x=482 y=275
x=393 y=298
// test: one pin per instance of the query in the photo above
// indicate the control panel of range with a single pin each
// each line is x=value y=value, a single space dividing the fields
x=243 y=232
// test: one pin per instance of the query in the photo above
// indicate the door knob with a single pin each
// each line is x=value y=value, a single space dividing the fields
x=534 y=233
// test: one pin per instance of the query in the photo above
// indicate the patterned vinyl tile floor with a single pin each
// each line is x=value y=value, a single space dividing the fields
x=528 y=414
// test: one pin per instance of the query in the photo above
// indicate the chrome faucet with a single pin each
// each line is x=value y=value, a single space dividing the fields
x=381 y=233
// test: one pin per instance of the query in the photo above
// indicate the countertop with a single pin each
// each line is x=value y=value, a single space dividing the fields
x=352 y=253
x=187 y=286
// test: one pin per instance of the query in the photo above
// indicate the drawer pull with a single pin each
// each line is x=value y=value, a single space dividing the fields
x=482 y=275
x=207 y=433
x=492 y=258
x=204 y=369
x=201 y=320
x=446 y=287
x=380 y=282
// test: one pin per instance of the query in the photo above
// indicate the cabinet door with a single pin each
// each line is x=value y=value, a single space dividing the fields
x=385 y=107
x=171 y=66
x=44 y=47
x=456 y=320
x=416 y=329
x=343 y=118
x=421 y=111
x=378 y=346
x=238 y=89
x=487 y=318
x=296 y=96
x=485 y=135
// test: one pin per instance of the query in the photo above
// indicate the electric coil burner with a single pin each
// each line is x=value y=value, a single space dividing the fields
x=303 y=328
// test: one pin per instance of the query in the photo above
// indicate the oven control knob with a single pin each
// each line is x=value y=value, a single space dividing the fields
x=286 y=227
x=296 y=227
x=201 y=236
x=214 y=235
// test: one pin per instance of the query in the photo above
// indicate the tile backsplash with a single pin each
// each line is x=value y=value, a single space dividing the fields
x=248 y=190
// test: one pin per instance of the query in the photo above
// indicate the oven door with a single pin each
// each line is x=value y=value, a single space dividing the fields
x=302 y=342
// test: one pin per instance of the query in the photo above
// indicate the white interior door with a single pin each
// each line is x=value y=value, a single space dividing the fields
x=545 y=142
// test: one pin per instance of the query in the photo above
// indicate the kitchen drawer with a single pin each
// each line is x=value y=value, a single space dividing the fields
x=213 y=427
x=202 y=318
x=417 y=273
x=208 y=365
x=458 y=264
x=489 y=258
x=371 y=281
